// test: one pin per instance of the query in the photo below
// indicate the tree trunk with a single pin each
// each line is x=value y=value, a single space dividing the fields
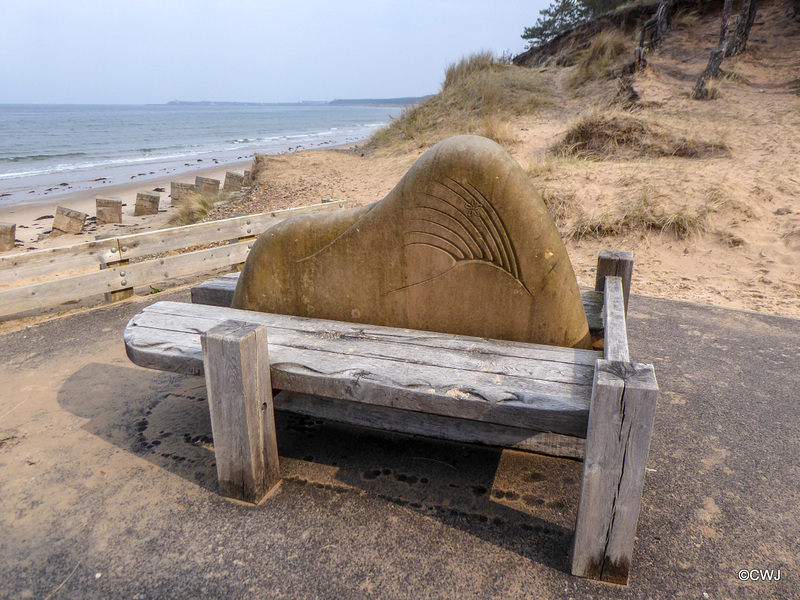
x=738 y=42
x=723 y=31
x=664 y=18
x=715 y=60
x=656 y=26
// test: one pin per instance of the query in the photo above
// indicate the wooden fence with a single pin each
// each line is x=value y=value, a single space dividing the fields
x=115 y=275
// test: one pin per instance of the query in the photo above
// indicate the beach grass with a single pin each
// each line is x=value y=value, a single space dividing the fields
x=192 y=208
x=480 y=95
x=603 y=133
x=596 y=61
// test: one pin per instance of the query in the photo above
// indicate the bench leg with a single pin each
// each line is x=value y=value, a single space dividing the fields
x=236 y=362
x=618 y=263
x=617 y=442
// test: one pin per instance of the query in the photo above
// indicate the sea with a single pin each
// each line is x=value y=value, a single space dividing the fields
x=50 y=149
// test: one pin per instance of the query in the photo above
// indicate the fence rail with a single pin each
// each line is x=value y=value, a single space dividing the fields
x=116 y=274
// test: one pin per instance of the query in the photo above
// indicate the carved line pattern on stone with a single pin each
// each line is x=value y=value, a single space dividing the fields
x=474 y=232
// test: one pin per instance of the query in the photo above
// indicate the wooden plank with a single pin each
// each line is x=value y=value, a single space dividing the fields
x=58 y=291
x=217 y=291
x=388 y=367
x=617 y=263
x=617 y=444
x=240 y=402
x=180 y=357
x=436 y=426
x=615 y=346
x=197 y=318
x=164 y=240
x=53 y=260
x=510 y=401
x=93 y=254
x=388 y=344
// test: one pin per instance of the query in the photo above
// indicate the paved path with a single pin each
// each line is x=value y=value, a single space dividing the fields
x=107 y=482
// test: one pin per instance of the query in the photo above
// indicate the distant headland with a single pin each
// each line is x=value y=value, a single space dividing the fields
x=337 y=102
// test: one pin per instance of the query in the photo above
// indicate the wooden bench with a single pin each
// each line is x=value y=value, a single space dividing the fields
x=508 y=394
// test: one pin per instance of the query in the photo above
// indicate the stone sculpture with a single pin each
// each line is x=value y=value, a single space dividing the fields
x=463 y=244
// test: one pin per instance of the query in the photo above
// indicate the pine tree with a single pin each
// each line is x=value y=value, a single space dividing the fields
x=565 y=14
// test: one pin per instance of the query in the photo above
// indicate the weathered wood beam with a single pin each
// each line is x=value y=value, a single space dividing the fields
x=618 y=263
x=435 y=426
x=615 y=345
x=617 y=443
x=240 y=402
x=87 y=255
x=507 y=383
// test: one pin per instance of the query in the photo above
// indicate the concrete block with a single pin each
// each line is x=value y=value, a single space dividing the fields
x=68 y=221
x=178 y=191
x=206 y=186
x=109 y=210
x=146 y=203
x=8 y=232
x=248 y=179
x=233 y=182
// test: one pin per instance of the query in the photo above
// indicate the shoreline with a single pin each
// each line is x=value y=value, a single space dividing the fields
x=34 y=218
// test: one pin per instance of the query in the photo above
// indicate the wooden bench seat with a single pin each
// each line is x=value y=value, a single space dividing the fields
x=505 y=383
x=508 y=394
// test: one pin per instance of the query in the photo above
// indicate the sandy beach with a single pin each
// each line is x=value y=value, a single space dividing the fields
x=30 y=224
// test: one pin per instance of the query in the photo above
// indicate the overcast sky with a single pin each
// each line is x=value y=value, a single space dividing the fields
x=153 y=51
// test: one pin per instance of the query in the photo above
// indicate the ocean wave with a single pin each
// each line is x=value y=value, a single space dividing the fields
x=40 y=157
x=124 y=151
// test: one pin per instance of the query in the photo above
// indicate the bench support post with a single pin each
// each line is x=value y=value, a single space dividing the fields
x=618 y=263
x=617 y=443
x=236 y=363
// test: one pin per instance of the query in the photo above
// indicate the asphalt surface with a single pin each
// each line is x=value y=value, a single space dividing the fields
x=108 y=485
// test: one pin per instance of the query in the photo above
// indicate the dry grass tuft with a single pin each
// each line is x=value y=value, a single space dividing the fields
x=720 y=200
x=465 y=69
x=193 y=207
x=596 y=61
x=644 y=212
x=605 y=133
x=495 y=129
x=478 y=95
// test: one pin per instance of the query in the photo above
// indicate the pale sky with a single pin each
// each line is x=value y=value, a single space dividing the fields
x=154 y=51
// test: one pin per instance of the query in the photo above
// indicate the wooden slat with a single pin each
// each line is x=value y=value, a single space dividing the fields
x=388 y=367
x=374 y=343
x=436 y=426
x=218 y=291
x=512 y=401
x=164 y=240
x=54 y=260
x=92 y=254
x=58 y=291
x=615 y=346
x=617 y=444
x=616 y=263
x=240 y=402
x=181 y=316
